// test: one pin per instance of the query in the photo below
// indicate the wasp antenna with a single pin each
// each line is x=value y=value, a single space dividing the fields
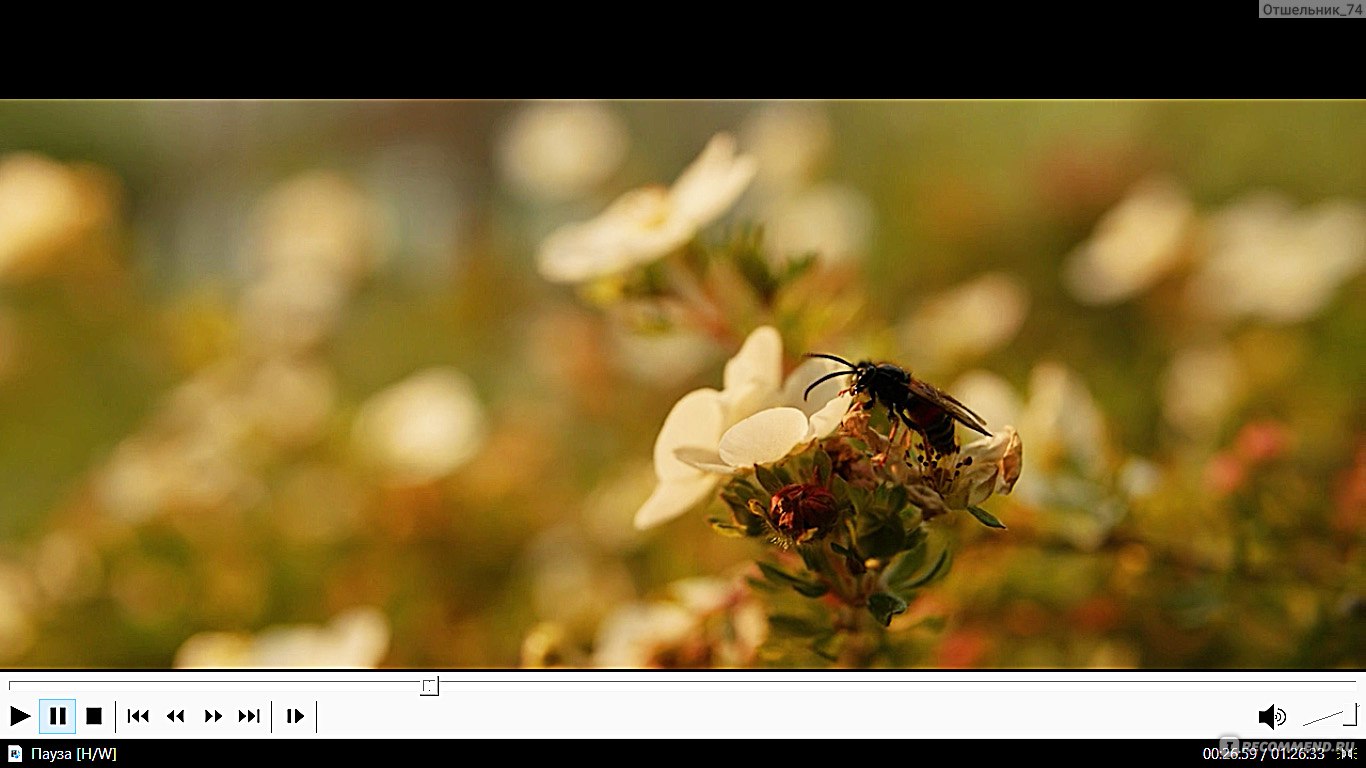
x=826 y=377
x=830 y=357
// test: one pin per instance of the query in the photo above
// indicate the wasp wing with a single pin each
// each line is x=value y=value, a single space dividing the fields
x=961 y=413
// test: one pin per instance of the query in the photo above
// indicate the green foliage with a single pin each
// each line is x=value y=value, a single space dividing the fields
x=771 y=481
x=806 y=587
x=883 y=606
x=986 y=518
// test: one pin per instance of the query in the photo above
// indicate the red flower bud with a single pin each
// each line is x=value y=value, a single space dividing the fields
x=802 y=513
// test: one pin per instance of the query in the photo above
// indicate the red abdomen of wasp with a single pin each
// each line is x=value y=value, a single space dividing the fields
x=933 y=423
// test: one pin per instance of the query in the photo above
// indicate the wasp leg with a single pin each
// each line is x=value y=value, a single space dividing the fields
x=880 y=459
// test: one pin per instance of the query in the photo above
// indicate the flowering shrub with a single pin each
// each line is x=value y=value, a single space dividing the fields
x=798 y=460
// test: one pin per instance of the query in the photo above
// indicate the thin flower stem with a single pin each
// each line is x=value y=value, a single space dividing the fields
x=698 y=306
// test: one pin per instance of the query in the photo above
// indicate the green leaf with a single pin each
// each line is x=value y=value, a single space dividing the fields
x=827 y=646
x=799 y=626
x=915 y=537
x=907 y=565
x=800 y=265
x=746 y=490
x=803 y=586
x=755 y=271
x=766 y=477
x=840 y=490
x=879 y=535
x=986 y=518
x=783 y=474
x=884 y=606
x=726 y=528
x=811 y=557
x=821 y=462
x=840 y=549
x=896 y=499
x=940 y=567
x=932 y=623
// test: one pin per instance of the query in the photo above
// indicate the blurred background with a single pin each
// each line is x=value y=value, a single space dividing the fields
x=280 y=384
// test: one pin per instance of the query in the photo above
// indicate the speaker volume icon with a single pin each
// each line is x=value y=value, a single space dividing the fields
x=1272 y=716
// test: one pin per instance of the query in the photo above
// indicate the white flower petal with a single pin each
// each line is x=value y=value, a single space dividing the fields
x=1269 y=260
x=832 y=220
x=713 y=182
x=1133 y=246
x=765 y=437
x=705 y=459
x=635 y=229
x=990 y=397
x=672 y=498
x=561 y=150
x=422 y=428
x=759 y=360
x=1201 y=387
x=825 y=421
x=803 y=376
x=696 y=420
x=968 y=320
x=788 y=140
x=745 y=400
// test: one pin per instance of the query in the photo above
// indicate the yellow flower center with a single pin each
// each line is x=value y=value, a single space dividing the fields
x=648 y=207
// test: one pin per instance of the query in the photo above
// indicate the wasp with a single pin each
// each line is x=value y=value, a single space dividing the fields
x=919 y=405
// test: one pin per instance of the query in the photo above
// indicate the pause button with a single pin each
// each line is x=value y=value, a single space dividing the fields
x=57 y=716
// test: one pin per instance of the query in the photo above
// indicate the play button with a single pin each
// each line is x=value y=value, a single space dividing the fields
x=17 y=716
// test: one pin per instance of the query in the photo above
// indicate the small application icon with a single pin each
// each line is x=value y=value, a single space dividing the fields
x=16 y=753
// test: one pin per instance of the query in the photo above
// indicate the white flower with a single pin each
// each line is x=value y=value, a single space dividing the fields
x=1200 y=387
x=45 y=206
x=1065 y=426
x=561 y=150
x=637 y=633
x=789 y=142
x=317 y=223
x=1271 y=261
x=831 y=219
x=967 y=321
x=1133 y=246
x=982 y=468
x=707 y=622
x=756 y=418
x=357 y=638
x=648 y=223
x=422 y=428
x=289 y=311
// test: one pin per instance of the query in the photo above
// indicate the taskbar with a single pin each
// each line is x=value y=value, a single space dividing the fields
x=141 y=751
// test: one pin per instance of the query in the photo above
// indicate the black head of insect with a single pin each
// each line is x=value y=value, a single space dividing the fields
x=883 y=382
